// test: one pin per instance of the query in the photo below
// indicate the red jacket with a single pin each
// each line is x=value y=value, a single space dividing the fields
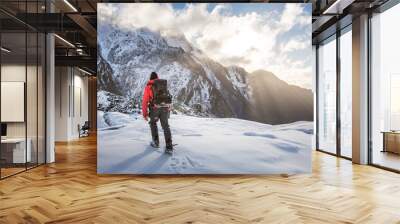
x=147 y=97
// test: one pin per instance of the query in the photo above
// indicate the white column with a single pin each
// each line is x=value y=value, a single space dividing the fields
x=62 y=103
x=314 y=90
x=360 y=89
x=50 y=100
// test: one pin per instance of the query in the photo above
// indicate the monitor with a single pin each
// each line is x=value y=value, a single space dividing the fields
x=3 y=129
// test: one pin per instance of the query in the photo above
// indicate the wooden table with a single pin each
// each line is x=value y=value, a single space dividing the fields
x=391 y=141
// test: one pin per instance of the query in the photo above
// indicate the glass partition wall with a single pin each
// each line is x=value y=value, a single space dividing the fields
x=13 y=88
x=22 y=78
x=334 y=106
x=385 y=90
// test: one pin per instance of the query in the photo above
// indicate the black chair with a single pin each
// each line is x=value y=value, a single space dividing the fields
x=84 y=130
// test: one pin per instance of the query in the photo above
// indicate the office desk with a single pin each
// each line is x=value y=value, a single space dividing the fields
x=391 y=141
x=13 y=150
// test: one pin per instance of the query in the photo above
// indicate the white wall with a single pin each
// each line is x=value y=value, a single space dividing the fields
x=13 y=100
x=79 y=110
x=62 y=81
x=71 y=94
x=33 y=126
x=14 y=72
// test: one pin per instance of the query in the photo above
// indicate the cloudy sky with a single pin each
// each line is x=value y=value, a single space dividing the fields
x=273 y=37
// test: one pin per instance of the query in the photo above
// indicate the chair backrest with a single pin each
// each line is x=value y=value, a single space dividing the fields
x=86 y=125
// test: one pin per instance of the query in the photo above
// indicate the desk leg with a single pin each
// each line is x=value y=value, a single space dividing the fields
x=384 y=142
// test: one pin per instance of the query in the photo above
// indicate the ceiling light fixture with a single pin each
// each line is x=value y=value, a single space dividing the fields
x=70 y=5
x=79 y=51
x=84 y=71
x=64 y=40
x=5 y=50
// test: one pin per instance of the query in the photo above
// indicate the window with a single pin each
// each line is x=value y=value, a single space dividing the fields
x=395 y=102
x=327 y=96
x=346 y=93
x=385 y=89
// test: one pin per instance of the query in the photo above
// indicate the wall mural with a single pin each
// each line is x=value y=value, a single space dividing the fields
x=204 y=88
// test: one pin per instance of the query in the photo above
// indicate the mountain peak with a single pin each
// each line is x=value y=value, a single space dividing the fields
x=262 y=72
x=179 y=41
x=266 y=75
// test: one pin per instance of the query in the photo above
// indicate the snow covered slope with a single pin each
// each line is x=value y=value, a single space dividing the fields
x=205 y=146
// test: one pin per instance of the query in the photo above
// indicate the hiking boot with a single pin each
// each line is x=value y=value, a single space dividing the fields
x=169 y=149
x=168 y=143
x=169 y=146
x=155 y=144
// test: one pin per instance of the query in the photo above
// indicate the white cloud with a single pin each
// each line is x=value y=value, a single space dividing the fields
x=294 y=45
x=293 y=15
x=247 y=39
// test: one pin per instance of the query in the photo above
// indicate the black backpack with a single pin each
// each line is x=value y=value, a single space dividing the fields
x=161 y=94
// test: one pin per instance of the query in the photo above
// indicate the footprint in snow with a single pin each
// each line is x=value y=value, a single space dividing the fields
x=192 y=135
x=271 y=136
x=181 y=163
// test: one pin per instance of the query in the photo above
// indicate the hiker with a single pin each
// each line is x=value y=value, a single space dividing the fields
x=157 y=100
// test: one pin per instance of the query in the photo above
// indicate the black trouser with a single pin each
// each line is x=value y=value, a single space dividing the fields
x=162 y=114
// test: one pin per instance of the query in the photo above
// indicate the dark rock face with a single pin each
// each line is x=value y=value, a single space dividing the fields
x=105 y=80
x=199 y=85
x=109 y=102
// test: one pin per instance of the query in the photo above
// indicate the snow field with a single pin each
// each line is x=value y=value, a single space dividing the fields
x=205 y=146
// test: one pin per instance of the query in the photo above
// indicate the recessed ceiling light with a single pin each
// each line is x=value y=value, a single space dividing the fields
x=70 y=5
x=5 y=50
x=64 y=40
x=84 y=71
x=338 y=6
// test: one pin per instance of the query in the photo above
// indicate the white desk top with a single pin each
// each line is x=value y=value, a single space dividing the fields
x=13 y=140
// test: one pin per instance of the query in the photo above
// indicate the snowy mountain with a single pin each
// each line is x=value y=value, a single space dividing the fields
x=123 y=146
x=110 y=102
x=127 y=57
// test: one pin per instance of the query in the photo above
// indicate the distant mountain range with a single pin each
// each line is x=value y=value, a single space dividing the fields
x=199 y=85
